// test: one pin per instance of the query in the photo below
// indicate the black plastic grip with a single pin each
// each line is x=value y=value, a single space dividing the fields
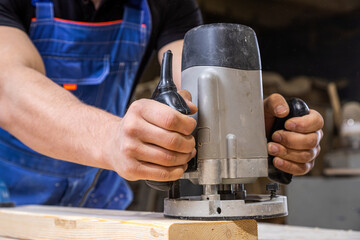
x=166 y=93
x=298 y=108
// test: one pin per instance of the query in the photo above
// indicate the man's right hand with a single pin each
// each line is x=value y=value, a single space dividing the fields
x=154 y=142
x=151 y=142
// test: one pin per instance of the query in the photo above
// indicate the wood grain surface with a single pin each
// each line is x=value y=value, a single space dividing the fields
x=40 y=222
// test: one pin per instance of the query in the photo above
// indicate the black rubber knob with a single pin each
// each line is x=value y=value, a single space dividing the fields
x=272 y=186
x=166 y=93
x=298 y=108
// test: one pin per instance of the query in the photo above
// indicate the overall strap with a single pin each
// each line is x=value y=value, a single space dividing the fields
x=134 y=11
x=44 y=9
x=138 y=11
x=132 y=15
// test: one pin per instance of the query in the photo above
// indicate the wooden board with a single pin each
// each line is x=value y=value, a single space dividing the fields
x=40 y=222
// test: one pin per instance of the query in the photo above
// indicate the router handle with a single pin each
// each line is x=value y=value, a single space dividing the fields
x=298 y=108
x=166 y=93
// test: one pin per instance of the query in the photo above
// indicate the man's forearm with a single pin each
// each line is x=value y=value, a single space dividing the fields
x=50 y=119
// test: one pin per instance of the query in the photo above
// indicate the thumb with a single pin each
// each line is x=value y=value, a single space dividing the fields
x=274 y=106
x=188 y=99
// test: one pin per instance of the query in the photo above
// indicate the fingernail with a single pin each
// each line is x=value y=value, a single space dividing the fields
x=280 y=109
x=278 y=162
x=291 y=126
x=273 y=149
x=276 y=137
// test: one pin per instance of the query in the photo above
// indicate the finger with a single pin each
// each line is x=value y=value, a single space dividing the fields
x=274 y=106
x=163 y=116
x=293 y=167
x=173 y=141
x=185 y=94
x=297 y=141
x=299 y=156
x=188 y=99
x=306 y=124
x=160 y=156
x=147 y=171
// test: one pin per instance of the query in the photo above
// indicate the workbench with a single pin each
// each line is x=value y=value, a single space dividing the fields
x=44 y=222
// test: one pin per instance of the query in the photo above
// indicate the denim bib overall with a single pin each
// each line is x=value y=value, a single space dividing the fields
x=97 y=62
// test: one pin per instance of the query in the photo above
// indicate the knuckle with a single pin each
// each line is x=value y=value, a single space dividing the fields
x=169 y=158
x=178 y=174
x=320 y=134
x=312 y=141
x=307 y=156
x=136 y=169
x=193 y=143
x=129 y=149
x=173 y=142
x=136 y=106
x=303 y=169
x=188 y=145
x=307 y=168
x=190 y=126
x=164 y=175
x=296 y=168
x=275 y=96
x=284 y=138
x=318 y=150
x=193 y=123
x=283 y=152
x=321 y=121
x=169 y=121
x=130 y=128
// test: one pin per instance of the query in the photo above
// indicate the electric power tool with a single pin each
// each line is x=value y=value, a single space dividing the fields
x=221 y=68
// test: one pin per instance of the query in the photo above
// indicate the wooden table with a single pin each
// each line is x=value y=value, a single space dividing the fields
x=41 y=222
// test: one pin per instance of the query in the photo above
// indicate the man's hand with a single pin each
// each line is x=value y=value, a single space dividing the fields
x=154 y=141
x=295 y=148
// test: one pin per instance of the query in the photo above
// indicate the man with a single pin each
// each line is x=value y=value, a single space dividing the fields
x=61 y=62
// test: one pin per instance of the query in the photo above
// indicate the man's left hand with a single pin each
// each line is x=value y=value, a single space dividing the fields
x=295 y=148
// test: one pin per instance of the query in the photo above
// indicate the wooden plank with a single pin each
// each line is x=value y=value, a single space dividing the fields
x=342 y=171
x=40 y=222
x=268 y=231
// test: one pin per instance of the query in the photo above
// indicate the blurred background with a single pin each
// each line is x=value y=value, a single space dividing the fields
x=310 y=49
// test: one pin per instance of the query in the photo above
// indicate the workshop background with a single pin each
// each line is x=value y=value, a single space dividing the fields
x=310 y=49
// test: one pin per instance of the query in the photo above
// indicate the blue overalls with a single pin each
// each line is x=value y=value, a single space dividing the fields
x=99 y=62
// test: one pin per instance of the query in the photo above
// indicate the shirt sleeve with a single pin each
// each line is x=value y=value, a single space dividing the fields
x=180 y=17
x=16 y=13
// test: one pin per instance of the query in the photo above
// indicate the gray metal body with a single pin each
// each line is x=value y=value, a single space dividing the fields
x=231 y=146
x=221 y=69
x=197 y=208
x=231 y=141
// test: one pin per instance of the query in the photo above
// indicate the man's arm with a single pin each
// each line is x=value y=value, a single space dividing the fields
x=152 y=141
x=36 y=110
